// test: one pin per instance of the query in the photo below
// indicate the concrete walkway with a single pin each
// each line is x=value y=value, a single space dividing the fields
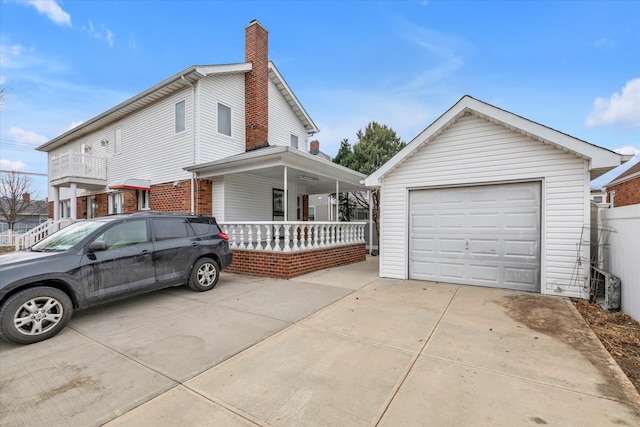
x=339 y=347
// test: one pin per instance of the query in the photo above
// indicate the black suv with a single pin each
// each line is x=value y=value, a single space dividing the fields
x=98 y=260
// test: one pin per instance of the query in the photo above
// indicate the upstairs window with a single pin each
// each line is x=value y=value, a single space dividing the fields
x=180 y=117
x=224 y=119
x=117 y=140
x=294 y=141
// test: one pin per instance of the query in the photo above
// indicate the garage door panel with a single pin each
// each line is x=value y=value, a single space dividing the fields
x=521 y=248
x=451 y=246
x=451 y=221
x=521 y=221
x=424 y=221
x=485 y=235
x=451 y=270
x=484 y=273
x=423 y=246
x=484 y=221
x=520 y=278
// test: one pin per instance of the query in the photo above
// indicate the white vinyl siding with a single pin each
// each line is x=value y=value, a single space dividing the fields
x=249 y=197
x=283 y=122
x=227 y=90
x=474 y=151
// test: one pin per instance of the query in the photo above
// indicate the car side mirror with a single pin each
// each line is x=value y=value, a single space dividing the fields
x=97 y=245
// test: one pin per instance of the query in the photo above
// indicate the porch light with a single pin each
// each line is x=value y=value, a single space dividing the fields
x=104 y=142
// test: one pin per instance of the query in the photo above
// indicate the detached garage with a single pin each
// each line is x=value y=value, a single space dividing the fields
x=485 y=197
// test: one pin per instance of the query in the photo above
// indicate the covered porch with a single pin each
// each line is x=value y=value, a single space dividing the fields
x=261 y=200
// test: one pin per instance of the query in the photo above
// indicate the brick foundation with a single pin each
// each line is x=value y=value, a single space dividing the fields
x=286 y=265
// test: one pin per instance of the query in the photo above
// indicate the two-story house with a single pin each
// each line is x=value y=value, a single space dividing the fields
x=226 y=140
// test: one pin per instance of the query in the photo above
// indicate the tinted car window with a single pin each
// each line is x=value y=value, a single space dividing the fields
x=169 y=228
x=125 y=234
x=201 y=226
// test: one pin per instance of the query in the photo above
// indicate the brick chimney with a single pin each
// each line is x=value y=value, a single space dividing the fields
x=26 y=198
x=256 y=92
x=314 y=147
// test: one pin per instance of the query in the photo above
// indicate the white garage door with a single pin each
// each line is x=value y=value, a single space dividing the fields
x=486 y=235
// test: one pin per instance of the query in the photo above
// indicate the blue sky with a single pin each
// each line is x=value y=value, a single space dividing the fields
x=573 y=66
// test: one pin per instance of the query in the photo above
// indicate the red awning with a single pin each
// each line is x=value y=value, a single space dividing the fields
x=130 y=184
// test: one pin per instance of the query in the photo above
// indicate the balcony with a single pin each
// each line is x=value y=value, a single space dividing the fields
x=84 y=169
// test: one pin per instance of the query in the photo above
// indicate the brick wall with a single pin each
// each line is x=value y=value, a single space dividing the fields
x=204 y=196
x=165 y=197
x=283 y=265
x=627 y=193
x=168 y=197
x=256 y=87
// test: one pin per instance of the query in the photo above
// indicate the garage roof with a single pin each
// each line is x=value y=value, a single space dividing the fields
x=601 y=160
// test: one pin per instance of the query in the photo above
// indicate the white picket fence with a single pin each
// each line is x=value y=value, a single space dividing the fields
x=33 y=236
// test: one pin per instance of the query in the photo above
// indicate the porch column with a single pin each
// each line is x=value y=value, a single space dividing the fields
x=74 y=201
x=56 y=202
x=337 y=200
x=286 y=196
x=370 y=223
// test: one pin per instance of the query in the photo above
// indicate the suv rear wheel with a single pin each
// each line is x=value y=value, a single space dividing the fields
x=34 y=314
x=204 y=275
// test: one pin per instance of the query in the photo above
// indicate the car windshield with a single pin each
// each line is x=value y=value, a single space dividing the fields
x=67 y=237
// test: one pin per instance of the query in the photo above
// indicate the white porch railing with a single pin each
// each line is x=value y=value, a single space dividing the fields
x=291 y=236
x=38 y=233
x=77 y=165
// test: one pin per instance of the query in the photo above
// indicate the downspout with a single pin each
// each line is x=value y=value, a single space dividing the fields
x=193 y=143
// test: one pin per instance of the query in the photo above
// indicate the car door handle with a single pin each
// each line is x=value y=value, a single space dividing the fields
x=194 y=244
x=145 y=252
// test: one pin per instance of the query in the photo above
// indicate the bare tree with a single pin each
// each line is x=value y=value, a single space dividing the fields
x=16 y=196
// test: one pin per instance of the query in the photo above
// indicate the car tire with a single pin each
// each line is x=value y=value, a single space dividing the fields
x=34 y=314
x=204 y=275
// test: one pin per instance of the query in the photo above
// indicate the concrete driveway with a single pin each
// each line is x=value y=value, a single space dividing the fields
x=339 y=347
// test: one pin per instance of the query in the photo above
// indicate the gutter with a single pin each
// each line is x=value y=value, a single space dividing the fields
x=193 y=139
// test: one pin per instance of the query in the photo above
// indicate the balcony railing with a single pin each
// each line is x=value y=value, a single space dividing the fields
x=278 y=236
x=77 y=165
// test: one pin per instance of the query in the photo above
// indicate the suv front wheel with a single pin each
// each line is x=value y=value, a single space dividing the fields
x=34 y=314
x=204 y=275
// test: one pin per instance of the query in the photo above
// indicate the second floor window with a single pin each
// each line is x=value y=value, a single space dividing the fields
x=224 y=119
x=180 y=117
x=117 y=140
x=294 y=141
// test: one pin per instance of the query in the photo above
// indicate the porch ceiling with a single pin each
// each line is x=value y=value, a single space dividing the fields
x=318 y=174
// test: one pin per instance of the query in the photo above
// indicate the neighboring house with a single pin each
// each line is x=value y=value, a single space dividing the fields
x=225 y=140
x=485 y=197
x=624 y=190
x=35 y=214
x=598 y=195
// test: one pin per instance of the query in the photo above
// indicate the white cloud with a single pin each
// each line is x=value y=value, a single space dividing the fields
x=101 y=33
x=12 y=165
x=26 y=138
x=622 y=109
x=51 y=9
x=628 y=150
